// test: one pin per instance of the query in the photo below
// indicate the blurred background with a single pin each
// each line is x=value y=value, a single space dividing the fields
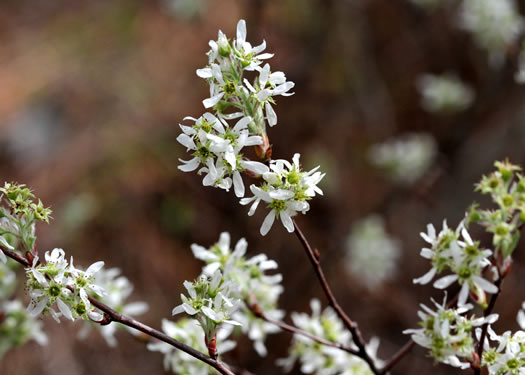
x=401 y=103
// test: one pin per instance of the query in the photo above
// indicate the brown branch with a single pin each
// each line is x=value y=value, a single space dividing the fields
x=405 y=349
x=256 y=310
x=112 y=315
x=349 y=323
x=485 y=326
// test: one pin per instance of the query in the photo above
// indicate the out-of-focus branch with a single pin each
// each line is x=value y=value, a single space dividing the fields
x=111 y=315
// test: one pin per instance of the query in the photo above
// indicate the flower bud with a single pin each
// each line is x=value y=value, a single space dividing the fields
x=478 y=295
x=264 y=150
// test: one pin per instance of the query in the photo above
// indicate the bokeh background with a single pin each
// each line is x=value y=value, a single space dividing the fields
x=91 y=94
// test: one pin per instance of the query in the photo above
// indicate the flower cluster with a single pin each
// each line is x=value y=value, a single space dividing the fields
x=494 y=24
x=254 y=286
x=372 y=254
x=17 y=326
x=17 y=220
x=117 y=290
x=286 y=190
x=448 y=333
x=210 y=304
x=321 y=359
x=59 y=282
x=189 y=332
x=464 y=258
x=444 y=93
x=506 y=187
x=508 y=357
x=406 y=158
x=217 y=147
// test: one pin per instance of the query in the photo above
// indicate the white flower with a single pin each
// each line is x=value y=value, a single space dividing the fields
x=189 y=332
x=406 y=158
x=287 y=190
x=321 y=359
x=444 y=93
x=447 y=332
x=117 y=290
x=372 y=254
x=494 y=24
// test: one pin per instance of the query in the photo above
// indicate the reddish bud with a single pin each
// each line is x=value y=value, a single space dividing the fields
x=264 y=150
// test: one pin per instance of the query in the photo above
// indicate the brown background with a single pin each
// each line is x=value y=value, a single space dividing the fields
x=90 y=98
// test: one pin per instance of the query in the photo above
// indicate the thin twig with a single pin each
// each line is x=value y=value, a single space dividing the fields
x=405 y=349
x=113 y=316
x=485 y=325
x=256 y=310
x=349 y=323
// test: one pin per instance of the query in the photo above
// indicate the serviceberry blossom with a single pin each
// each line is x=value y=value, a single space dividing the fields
x=405 y=158
x=508 y=357
x=372 y=254
x=18 y=327
x=321 y=359
x=253 y=285
x=494 y=24
x=444 y=93
x=465 y=259
x=189 y=332
x=286 y=190
x=57 y=282
x=117 y=290
x=230 y=90
x=210 y=304
x=448 y=333
x=216 y=148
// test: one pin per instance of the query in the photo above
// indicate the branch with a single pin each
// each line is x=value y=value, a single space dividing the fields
x=349 y=323
x=256 y=310
x=485 y=326
x=111 y=315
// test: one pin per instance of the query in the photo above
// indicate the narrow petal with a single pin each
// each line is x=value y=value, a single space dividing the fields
x=445 y=282
x=238 y=185
x=210 y=102
x=287 y=221
x=267 y=223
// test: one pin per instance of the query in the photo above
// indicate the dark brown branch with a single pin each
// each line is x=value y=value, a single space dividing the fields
x=112 y=315
x=255 y=309
x=349 y=323
x=485 y=326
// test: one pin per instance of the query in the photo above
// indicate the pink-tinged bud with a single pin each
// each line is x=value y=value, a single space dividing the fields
x=478 y=295
x=264 y=151
x=476 y=362
x=507 y=266
x=212 y=346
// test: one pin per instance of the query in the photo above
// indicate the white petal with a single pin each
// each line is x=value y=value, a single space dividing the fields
x=94 y=268
x=204 y=73
x=64 y=309
x=254 y=166
x=445 y=281
x=4 y=242
x=210 y=102
x=242 y=124
x=267 y=223
x=485 y=285
x=241 y=31
x=287 y=221
x=271 y=116
x=238 y=185
x=426 y=278
x=189 y=165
